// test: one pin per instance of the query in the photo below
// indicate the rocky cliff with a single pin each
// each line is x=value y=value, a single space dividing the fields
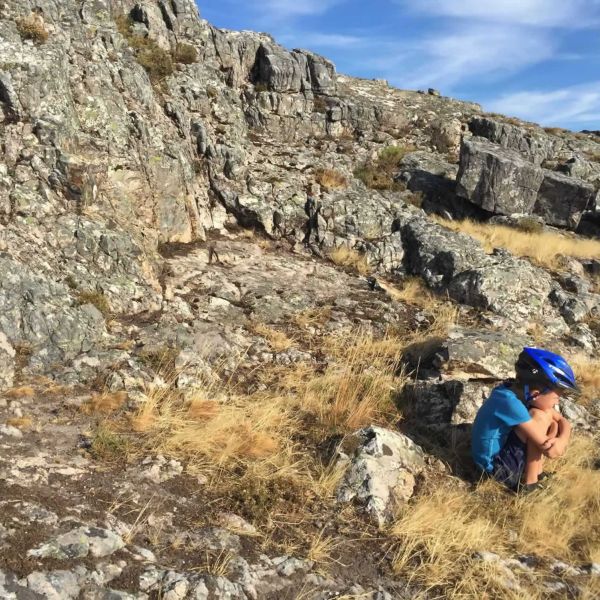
x=174 y=194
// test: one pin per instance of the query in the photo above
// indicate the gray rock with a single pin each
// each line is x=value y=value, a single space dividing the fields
x=497 y=179
x=534 y=144
x=54 y=585
x=465 y=355
x=450 y=402
x=382 y=473
x=561 y=200
x=79 y=543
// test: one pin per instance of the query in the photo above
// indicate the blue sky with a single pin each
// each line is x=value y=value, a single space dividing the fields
x=535 y=59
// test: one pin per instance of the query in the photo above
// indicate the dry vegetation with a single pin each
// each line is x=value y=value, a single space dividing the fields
x=330 y=179
x=379 y=174
x=587 y=375
x=157 y=61
x=351 y=259
x=32 y=28
x=441 y=531
x=544 y=248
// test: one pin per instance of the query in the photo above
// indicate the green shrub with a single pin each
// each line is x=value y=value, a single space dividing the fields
x=261 y=87
x=157 y=61
x=185 y=54
x=32 y=28
x=379 y=174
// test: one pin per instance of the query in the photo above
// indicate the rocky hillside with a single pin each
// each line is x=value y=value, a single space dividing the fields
x=243 y=320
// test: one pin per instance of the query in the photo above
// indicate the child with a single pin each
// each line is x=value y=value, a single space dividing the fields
x=508 y=443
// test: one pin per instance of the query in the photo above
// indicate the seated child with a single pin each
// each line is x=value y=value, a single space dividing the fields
x=508 y=443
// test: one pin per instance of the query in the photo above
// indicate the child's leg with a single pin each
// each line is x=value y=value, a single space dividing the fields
x=533 y=463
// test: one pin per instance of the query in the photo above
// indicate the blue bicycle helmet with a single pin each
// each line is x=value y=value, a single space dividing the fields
x=541 y=367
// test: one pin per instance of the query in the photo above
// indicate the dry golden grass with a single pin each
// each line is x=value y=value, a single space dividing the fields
x=439 y=533
x=17 y=393
x=105 y=403
x=313 y=317
x=278 y=340
x=321 y=547
x=20 y=422
x=443 y=313
x=543 y=248
x=206 y=428
x=587 y=375
x=330 y=179
x=350 y=258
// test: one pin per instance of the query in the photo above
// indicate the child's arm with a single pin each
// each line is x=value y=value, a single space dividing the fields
x=536 y=429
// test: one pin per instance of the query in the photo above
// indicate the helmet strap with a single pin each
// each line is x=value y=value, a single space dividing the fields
x=526 y=393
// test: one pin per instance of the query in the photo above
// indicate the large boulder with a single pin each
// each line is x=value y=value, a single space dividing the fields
x=438 y=254
x=296 y=71
x=468 y=355
x=382 y=472
x=561 y=200
x=497 y=179
x=535 y=145
x=502 y=181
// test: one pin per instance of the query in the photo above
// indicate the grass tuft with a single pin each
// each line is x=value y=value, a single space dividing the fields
x=350 y=258
x=330 y=179
x=544 y=248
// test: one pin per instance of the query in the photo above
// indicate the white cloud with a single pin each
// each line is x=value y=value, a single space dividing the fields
x=570 y=14
x=281 y=10
x=573 y=105
x=323 y=40
x=446 y=59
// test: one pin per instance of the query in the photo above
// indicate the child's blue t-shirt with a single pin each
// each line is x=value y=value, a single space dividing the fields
x=494 y=421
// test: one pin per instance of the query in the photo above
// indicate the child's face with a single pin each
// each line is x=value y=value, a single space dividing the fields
x=546 y=400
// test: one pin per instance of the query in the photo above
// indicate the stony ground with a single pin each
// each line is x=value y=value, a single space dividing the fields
x=244 y=327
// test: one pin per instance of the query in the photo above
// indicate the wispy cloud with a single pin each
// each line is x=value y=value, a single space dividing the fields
x=448 y=58
x=325 y=40
x=283 y=10
x=570 y=14
x=573 y=104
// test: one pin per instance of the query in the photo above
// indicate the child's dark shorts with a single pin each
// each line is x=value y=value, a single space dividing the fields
x=509 y=463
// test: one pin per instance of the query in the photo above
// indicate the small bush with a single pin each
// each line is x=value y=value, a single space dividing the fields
x=157 y=62
x=160 y=360
x=32 y=28
x=261 y=87
x=530 y=225
x=98 y=299
x=330 y=179
x=379 y=174
x=108 y=445
x=212 y=91
x=555 y=130
x=185 y=54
